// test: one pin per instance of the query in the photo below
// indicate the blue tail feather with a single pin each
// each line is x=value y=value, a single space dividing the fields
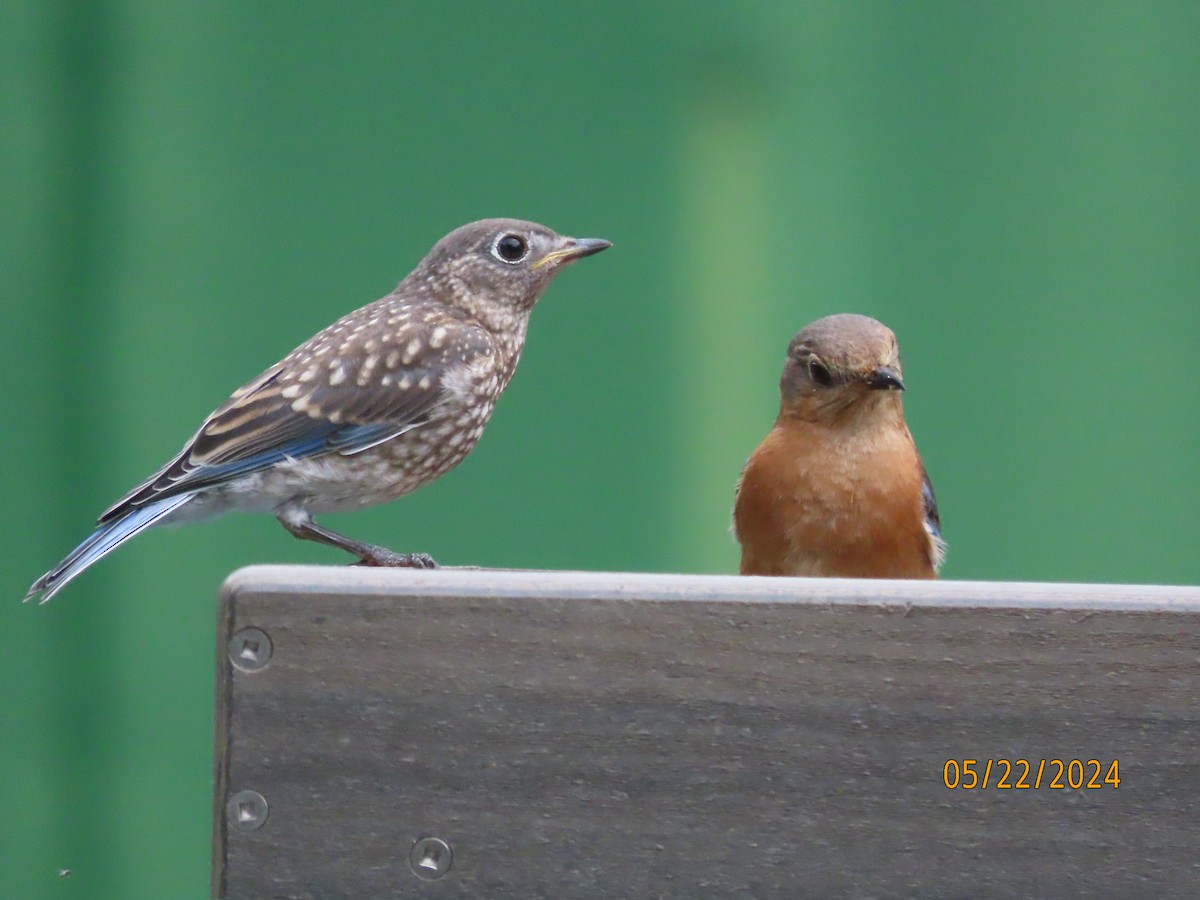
x=101 y=542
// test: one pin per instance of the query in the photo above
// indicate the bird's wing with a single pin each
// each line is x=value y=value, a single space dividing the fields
x=933 y=521
x=341 y=392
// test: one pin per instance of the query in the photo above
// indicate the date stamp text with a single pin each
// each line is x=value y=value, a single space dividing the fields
x=1025 y=774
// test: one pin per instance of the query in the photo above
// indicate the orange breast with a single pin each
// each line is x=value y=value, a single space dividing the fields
x=816 y=503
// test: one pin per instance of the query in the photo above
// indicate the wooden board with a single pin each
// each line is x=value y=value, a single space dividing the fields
x=628 y=736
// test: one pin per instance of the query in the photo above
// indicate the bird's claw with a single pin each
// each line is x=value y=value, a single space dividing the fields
x=382 y=558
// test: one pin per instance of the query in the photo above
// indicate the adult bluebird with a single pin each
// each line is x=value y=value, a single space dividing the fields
x=378 y=404
x=837 y=488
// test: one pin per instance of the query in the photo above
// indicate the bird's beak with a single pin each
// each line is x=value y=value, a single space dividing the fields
x=571 y=250
x=885 y=378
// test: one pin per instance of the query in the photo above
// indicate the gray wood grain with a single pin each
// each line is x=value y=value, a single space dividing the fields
x=608 y=735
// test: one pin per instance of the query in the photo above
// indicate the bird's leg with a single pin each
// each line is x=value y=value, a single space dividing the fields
x=303 y=527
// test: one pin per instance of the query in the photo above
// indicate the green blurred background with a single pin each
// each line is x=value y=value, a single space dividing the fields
x=188 y=190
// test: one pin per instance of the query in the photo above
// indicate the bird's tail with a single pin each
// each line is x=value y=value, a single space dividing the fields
x=103 y=541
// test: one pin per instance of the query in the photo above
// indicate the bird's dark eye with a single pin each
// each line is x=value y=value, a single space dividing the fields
x=818 y=372
x=512 y=248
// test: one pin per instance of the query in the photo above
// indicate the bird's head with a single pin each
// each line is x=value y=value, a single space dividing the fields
x=498 y=267
x=841 y=365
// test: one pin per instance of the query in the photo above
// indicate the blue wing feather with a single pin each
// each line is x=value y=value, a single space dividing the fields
x=345 y=439
x=289 y=412
x=933 y=521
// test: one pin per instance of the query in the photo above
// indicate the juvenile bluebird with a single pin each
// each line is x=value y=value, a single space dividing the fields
x=837 y=488
x=378 y=404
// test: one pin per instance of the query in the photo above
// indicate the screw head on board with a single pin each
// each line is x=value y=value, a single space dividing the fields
x=430 y=858
x=247 y=810
x=250 y=649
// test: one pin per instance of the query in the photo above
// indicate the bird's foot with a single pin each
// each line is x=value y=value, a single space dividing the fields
x=384 y=558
